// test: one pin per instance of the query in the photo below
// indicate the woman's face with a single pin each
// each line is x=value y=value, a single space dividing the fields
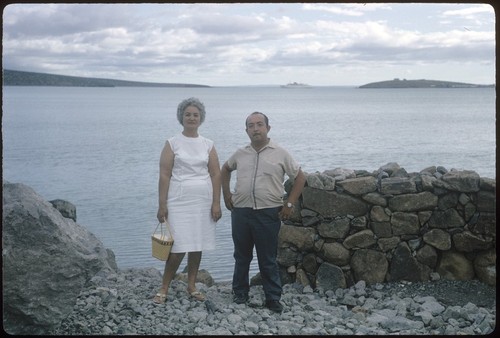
x=191 y=117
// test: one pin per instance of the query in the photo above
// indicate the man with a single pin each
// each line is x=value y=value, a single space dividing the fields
x=257 y=207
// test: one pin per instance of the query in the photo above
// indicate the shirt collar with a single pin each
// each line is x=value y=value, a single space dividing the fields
x=270 y=144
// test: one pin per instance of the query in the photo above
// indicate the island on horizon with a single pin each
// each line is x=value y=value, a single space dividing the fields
x=397 y=83
x=22 y=78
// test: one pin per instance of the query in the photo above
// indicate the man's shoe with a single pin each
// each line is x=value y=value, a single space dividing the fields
x=240 y=298
x=274 y=305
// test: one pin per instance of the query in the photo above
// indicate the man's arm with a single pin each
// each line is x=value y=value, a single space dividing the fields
x=293 y=197
x=298 y=186
x=225 y=174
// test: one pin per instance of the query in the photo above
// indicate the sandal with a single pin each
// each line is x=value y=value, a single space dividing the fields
x=160 y=298
x=197 y=295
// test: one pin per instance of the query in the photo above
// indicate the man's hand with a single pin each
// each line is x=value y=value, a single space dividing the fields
x=228 y=201
x=285 y=213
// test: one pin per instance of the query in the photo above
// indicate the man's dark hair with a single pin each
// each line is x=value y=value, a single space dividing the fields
x=255 y=113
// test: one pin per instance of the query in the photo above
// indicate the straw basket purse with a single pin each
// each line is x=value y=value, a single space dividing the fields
x=162 y=241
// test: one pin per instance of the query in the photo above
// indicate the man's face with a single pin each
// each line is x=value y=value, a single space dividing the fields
x=256 y=128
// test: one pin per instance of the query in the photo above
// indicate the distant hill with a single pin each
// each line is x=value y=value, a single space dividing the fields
x=397 y=83
x=20 y=78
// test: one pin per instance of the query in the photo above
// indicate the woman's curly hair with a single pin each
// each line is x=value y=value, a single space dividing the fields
x=192 y=101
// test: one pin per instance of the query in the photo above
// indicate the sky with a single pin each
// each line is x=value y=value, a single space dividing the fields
x=224 y=44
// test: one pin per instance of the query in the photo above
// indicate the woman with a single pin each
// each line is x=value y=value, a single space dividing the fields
x=188 y=196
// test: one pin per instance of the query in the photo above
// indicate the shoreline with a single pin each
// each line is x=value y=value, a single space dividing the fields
x=121 y=303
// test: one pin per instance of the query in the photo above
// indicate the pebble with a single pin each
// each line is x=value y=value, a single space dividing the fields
x=120 y=303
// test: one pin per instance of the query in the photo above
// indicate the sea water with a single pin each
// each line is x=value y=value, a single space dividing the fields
x=99 y=148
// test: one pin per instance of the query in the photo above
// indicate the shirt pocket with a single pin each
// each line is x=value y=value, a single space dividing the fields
x=270 y=169
x=243 y=182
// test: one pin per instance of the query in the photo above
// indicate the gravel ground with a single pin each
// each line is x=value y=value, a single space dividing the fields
x=121 y=304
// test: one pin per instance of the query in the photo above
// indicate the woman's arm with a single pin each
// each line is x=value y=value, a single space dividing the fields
x=166 y=165
x=214 y=171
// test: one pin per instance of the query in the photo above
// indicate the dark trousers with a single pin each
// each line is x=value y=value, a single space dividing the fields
x=257 y=228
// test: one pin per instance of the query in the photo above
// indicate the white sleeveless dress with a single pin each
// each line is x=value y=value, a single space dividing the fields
x=190 y=196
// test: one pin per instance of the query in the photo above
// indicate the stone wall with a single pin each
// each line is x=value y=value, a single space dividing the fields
x=390 y=225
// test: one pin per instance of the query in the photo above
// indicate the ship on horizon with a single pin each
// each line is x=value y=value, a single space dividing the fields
x=295 y=85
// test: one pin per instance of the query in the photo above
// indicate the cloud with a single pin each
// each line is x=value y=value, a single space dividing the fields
x=59 y=20
x=470 y=12
x=353 y=9
x=180 y=41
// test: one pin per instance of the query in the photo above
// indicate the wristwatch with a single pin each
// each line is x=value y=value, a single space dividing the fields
x=289 y=205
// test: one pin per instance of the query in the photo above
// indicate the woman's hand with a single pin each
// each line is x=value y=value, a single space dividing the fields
x=162 y=214
x=216 y=212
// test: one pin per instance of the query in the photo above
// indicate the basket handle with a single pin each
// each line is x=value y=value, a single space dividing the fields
x=167 y=225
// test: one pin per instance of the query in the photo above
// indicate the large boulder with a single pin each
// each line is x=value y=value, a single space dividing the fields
x=46 y=260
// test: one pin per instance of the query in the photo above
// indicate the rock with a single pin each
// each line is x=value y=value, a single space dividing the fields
x=431 y=308
x=301 y=237
x=448 y=201
x=320 y=181
x=485 y=224
x=340 y=173
x=359 y=186
x=464 y=181
x=485 y=267
x=310 y=263
x=387 y=244
x=301 y=278
x=397 y=186
x=337 y=228
x=287 y=256
x=203 y=276
x=332 y=204
x=427 y=254
x=455 y=266
x=414 y=202
x=335 y=253
x=330 y=277
x=406 y=267
x=405 y=224
x=361 y=239
x=486 y=201
x=375 y=198
x=379 y=214
x=488 y=184
x=468 y=242
x=390 y=168
x=438 y=238
x=382 y=229
x=449 y=218
x=47 y=259
x=369 y=266
x=66 y=208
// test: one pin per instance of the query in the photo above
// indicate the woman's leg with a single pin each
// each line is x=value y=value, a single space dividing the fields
x=194 y=260
x=171 y=266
